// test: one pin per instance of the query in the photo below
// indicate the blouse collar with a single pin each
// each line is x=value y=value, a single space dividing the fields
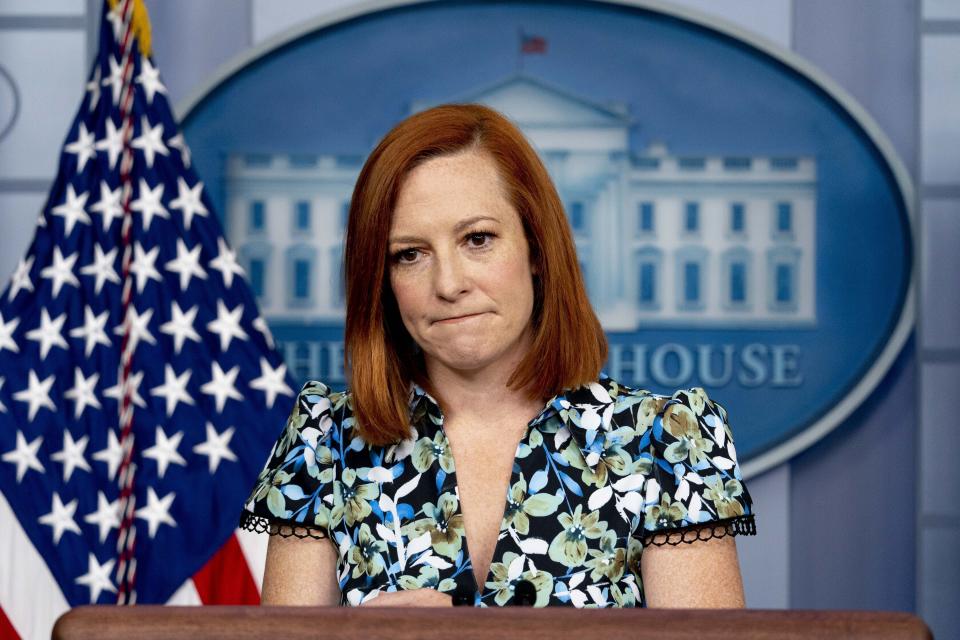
x=586 y=412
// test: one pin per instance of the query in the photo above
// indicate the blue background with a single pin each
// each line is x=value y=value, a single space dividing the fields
x=337 y=90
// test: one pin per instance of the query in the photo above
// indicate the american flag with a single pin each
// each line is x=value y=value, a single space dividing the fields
x=532 y=43
x=140 y=391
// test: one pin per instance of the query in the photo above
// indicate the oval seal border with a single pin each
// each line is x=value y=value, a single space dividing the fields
x=905 y=322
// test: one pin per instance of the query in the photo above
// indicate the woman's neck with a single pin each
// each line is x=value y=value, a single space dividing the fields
x=481 y=394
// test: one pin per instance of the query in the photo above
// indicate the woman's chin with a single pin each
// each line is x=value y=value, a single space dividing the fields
x=467 y=359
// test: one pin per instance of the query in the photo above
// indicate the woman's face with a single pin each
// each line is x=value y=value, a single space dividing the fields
x=460 y=265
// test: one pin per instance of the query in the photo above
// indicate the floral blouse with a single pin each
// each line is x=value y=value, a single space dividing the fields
x=599 y=471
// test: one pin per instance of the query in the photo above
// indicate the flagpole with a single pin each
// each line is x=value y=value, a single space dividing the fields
x=520 y=50
x=126 y=540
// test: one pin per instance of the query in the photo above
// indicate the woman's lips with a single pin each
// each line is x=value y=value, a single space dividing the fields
x=457 y=319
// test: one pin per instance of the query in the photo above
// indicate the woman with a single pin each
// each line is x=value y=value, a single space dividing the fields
x=477 y=412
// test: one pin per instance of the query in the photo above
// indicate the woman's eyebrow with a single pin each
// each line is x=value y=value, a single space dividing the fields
x=463 y=225
x=459 y=228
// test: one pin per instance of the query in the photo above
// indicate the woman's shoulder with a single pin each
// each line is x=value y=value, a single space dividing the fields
x=320 y=407
x=325 y=417
x=606 y=392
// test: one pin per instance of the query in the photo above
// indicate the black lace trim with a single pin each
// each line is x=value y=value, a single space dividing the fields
x=739 y=525
x=258 y=524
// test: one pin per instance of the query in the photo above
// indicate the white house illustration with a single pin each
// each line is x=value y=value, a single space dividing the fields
x=663 y=240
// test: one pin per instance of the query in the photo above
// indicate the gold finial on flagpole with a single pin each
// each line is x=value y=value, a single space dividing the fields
x=140 y=23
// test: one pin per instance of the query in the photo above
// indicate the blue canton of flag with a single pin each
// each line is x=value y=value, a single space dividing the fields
x=209 y=392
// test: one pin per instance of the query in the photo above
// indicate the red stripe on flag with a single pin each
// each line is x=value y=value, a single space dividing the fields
x=6 y=629
x=533 y=44
x=226 y=578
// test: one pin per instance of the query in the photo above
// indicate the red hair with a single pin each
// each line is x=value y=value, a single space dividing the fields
x=381 y=359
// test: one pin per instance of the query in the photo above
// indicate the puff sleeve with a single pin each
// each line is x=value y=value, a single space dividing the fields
x=294 y=492
x=695 y=490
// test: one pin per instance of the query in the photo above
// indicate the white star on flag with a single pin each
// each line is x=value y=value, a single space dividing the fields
x=21 y=277
x=139 y=327
x=94 y=88
x=177 y=142
x=148 y=203
x=111 y=455
x=24 y=455
x=216 y=447
x=101 y=268
x=3 y=407
x=150 y=141
x=92 y=330
x=61 y=518
x=188 y=201
x=186 y=264
x=173 y=389
x=271 y=381
x=180 y=326
x=157 y=511
x=115 y=79
x=222 y=385
x=143 y=267
x=164 y=451
x=226 y=263
x=71 y=455
x=82 y=392
x=261 y=325
x=149 y=78
x=82 y=147
x=72 y=209
x=37 y=394
x=106 y=517
x=6 y=334
x=112 y=143
x=133 y=381
x=116 y=22
x=50 y=333
x=108 y=205
x=61 y=271
x=97 y=577
x=227 y=324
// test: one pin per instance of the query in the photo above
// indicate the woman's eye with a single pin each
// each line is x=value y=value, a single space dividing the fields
x=406 y=255
x=479 y=238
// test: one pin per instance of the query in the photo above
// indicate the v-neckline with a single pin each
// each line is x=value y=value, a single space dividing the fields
x=452 y=484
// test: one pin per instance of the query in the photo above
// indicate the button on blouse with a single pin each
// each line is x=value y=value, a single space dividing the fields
x=600 y=472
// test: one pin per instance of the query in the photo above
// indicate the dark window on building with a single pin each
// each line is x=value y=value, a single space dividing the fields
x=692 y=163
x=577 y=216
x=648 y=283
x=691 y=217
x=737 y=164
x=784 y=217
x=784 y=280
x=691 y=282
x=257 y=215
x=257 y=159
x=783 y=164
x=646 y=217
x=303 y=215
x=301 y=161
x=738 y=282
x=737 y=217
x=257 y=274
x=301 y=279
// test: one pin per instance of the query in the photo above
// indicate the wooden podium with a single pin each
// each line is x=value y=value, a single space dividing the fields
x=467 y=623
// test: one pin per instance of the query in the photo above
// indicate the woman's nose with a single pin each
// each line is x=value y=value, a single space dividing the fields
x=451 y=279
